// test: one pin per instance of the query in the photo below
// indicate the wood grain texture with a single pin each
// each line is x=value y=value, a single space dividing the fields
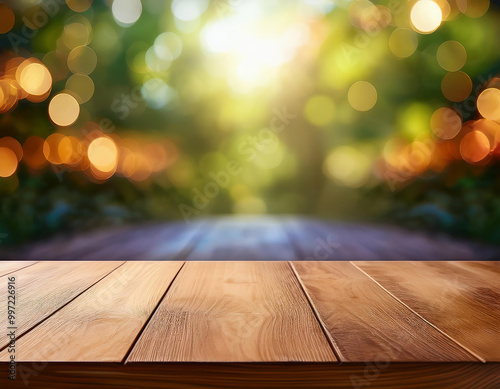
x=103 y=322
x=7 y=267
x=233 y=312
x=461 y=298
x=252 y=375
x=45 y=287
x=366 y=323
x=243 y=238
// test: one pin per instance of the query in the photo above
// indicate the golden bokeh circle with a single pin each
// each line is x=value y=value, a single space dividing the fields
x=64 y=109
x=362 y=96
x=456 y=86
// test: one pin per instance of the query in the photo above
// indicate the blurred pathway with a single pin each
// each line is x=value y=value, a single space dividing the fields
x=254 y=238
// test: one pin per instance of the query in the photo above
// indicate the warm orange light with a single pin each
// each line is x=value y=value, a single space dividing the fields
x=446 y=123
x=157 y=156
x=103 y=154
x=35 y=79
x=70 y=150
x=51 y=148
x=8 y=162
x=456 y=86
x=7 y=18
x=79 y=5
x=8 y=95
x=64 y=110
x=488 y=104
x=474 y=147
x=33 y=152
x=13 y=145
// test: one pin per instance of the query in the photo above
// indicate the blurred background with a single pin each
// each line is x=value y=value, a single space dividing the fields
x=124 y=111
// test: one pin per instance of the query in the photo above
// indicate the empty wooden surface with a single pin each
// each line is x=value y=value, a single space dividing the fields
x=314 y=324
x=254 y=238
x=234 y=312
x=44 y=287
x=365 y=322
x=461 y=298
x=7 y=267
x=103 y=322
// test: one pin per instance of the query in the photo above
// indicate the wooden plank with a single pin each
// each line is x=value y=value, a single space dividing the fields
x=243 y=238
x=233 y=311
x=157 y=241
x=461 y=298
x=70 y=375
x=7 y=267
x=103 y=322
x=366 y=323
x=45 y=287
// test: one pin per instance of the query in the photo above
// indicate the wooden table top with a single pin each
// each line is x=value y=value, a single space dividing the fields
x=322 y=322
x=254 y=238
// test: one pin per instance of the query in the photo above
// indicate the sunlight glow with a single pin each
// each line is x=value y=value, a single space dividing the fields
x=253 y=48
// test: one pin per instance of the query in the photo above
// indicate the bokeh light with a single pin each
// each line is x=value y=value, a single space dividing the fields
x=319 y=110
x=348 y=166
x=33 y=152
x=82 y=86
x=168 y=46
x=103 y=154
x=188 y=10
x=474 y=146
x=82 y=59
x=403 y=42
x=488 y=104
x=475 y=8
x=456 y=86
x=7 y=18
x=426 y=16
x=64 y=109
x=446 y=123
x=35 y=79
x=126 y=12
x=451 y=56
x=8 y=162
x=79 y=5
x=362 y=96
x=12 y=144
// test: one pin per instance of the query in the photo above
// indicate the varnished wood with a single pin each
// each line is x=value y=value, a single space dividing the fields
x=250 y=375
x=103 y=322
x=366 y=323
x=235 y=312
x=7 y=267
x=45 y=287
x=461 y=298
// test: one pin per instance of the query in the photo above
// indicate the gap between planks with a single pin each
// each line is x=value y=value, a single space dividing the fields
x=419 y=315
x=28 y=330
x=329 y=338
x=139 y=334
